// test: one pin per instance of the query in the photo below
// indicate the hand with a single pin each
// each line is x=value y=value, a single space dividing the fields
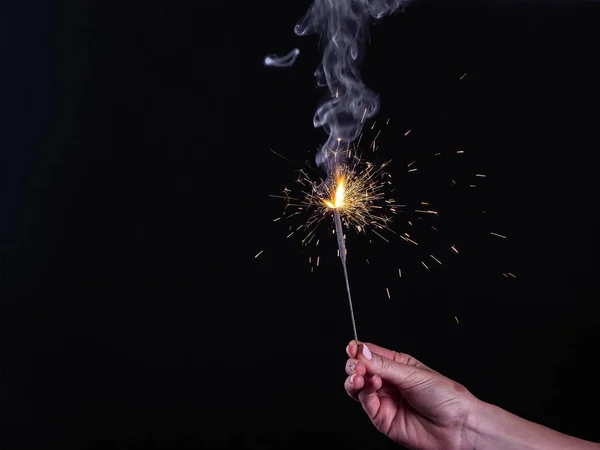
x=406 y=400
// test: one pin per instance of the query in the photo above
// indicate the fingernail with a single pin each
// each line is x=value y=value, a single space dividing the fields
x=348 y=351
x=352 y=379
x=366 y=352
x=352 y=366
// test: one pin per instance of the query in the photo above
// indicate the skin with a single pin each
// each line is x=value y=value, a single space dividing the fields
x=406 y=400
x=422 y=409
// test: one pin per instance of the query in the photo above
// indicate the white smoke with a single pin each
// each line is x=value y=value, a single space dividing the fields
x=282 y=61
x=342 y=26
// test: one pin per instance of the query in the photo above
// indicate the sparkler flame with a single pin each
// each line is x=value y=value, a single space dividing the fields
x=354 y=193
x=337 y=195
x=356 y=189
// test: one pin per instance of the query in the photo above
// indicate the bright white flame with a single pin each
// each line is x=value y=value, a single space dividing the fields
x=337 y=196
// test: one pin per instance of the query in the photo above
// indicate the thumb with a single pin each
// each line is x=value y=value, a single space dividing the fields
x=402 y=375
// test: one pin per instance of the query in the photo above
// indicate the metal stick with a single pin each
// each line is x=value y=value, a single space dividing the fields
x=342 y=246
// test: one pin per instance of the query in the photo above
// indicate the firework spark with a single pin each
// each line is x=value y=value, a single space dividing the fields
x=356 y=189
x=354 y=194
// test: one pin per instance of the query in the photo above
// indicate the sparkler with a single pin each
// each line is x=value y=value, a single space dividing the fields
x=342 y=246
x=356 y=188
x=348 y=194
x=354 y=194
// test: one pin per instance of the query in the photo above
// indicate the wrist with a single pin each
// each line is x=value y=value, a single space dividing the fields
x=476 y=426
x=480 y=431
x=489 y=427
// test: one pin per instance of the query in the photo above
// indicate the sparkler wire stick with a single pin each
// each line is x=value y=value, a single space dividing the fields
x=354 y=189
x=342 y=246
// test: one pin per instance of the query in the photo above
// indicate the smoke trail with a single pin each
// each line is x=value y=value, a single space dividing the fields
x=343 y=26
x=282 y=61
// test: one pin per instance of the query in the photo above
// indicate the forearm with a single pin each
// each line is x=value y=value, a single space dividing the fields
x=491 y=428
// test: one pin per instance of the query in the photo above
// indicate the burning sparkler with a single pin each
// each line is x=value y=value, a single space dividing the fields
x=354 y=195
x=356 y=189
x=353 y=192
x=348 y=193
x=336 y=203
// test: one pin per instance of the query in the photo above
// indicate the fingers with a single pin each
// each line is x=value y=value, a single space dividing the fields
x=364 y=390
x=351 y=349
x=354 y=366
x=390 y=354
x=368 y=395
x=402 y=375
x=353 y=384
x=356 y=371
x=402 y=358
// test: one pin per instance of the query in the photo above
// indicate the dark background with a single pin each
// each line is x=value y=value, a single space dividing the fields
x=135 y=176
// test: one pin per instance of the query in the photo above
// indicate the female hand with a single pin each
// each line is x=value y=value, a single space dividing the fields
x=406 y=400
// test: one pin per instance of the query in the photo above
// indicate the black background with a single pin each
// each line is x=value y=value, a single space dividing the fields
x=135 y=176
